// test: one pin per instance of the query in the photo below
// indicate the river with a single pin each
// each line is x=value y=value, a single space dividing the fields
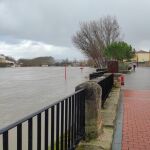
x=25 y=90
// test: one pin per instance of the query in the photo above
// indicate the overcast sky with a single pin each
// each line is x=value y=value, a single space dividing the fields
x=31 y=28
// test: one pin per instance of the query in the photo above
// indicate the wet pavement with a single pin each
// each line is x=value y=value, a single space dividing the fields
x=133 y=121
x=136 y=120
x=136 y=110
x=138 y=80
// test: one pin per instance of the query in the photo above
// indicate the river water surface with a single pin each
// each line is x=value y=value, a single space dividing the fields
x=25 y=90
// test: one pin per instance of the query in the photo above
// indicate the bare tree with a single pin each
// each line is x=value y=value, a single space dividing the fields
x=95 y=36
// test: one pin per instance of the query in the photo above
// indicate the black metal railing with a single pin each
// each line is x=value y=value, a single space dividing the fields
x=102 y=69
x=64 y=126
x=96 y=74
x=106 y=85
x=59 y=126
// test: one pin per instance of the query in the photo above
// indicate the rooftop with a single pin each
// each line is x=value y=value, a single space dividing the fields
x=142 y=51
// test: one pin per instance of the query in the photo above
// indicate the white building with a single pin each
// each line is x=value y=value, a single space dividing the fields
x=2 y=58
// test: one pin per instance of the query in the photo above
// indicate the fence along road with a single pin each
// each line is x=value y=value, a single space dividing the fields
x=66 y=124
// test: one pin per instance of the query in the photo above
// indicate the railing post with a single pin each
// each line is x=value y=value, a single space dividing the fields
x=93 y=118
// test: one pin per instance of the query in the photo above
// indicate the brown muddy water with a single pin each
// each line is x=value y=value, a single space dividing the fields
x=25 y=90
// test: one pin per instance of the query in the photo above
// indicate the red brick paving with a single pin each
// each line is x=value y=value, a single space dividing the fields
x=136 y=121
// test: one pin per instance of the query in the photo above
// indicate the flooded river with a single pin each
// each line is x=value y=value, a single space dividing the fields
x=25 y=90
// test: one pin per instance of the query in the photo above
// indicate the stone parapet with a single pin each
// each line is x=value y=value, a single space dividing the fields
x=108 y=115
x=93 y=117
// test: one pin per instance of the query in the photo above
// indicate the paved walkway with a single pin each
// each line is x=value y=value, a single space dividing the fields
x=136 y=115
x=136 y=120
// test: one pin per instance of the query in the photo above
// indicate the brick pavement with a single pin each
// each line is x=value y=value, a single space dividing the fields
x=136 y=120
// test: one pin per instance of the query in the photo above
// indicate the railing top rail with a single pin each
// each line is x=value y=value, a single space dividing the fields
x=100 y=79
x=13 y=125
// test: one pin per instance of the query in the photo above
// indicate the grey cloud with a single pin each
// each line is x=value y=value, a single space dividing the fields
x=31 y=49
x=55 y=21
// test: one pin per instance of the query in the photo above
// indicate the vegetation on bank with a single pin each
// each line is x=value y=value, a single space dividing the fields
x=42 y=61
x=119 y=51
x=50 y=61
x=39 y=61
x=100 y=40
x=5 y=65
x=94 y=36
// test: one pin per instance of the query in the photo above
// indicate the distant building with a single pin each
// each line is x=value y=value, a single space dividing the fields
x=4 y=62
x=142 y=56
x=2 y=58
